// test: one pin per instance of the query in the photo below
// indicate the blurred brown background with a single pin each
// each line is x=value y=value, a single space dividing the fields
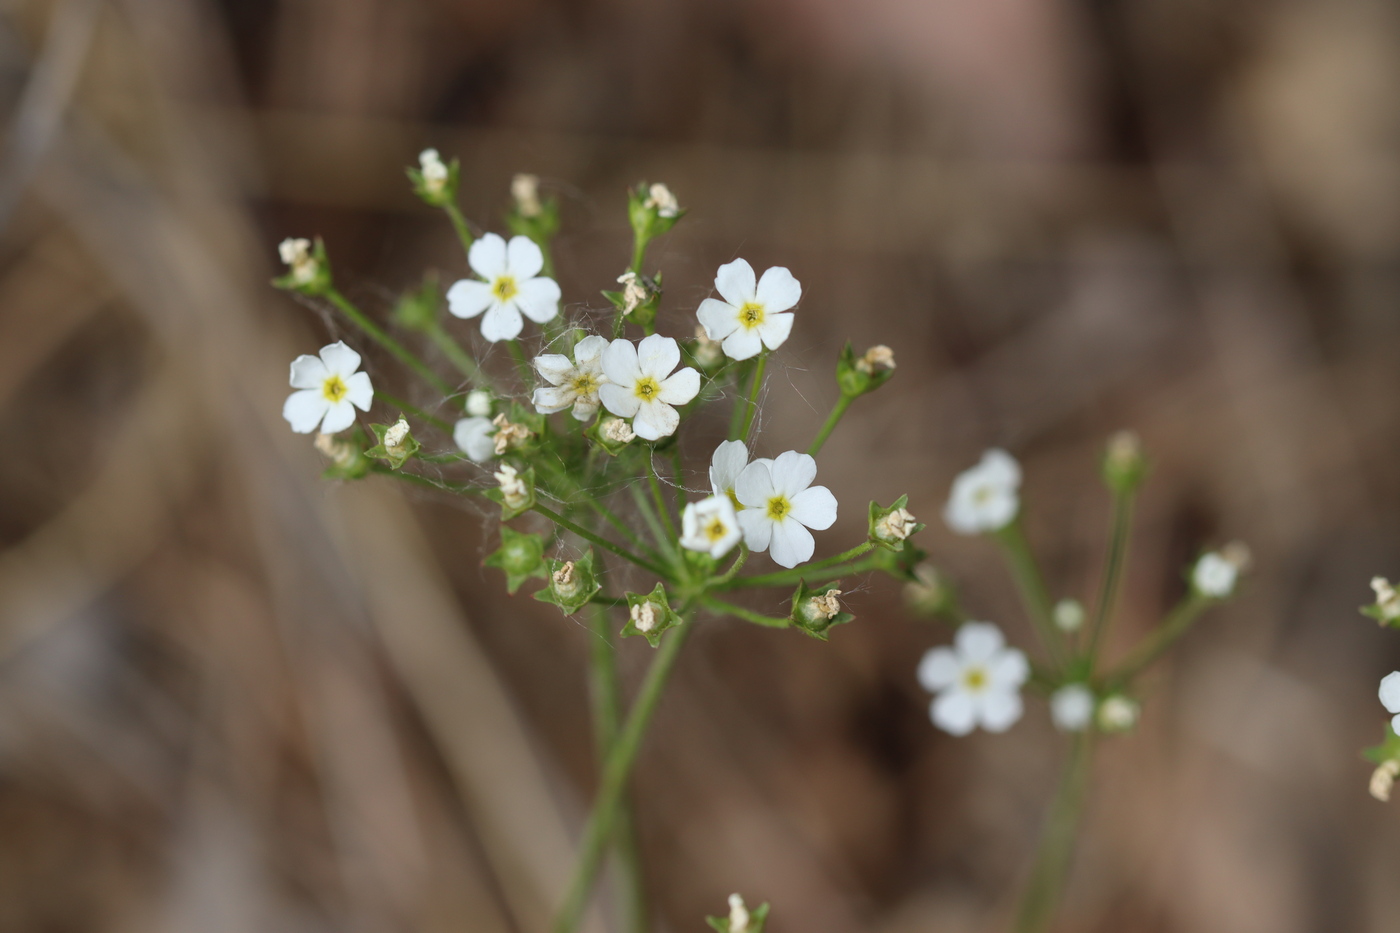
x=236 y=698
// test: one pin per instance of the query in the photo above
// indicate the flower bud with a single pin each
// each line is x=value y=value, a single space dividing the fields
x=1383 y=779
x=1072 y=707
x=525 y=191
x=479 y=403
x=661 y=200
x=572 y=583
x=822 y=608
x=395 y=437
x=817 y=610
x=1217 y=572
x=649 y=615
x=1123 y=463
x=738 y=915
x=434 y=172
x=896 y=526
x=1069 y=615
x=396 y=446
x=1118 y=713
x=434 y=181
x=520 y=556
x=856 y=376
x=308 y=270
x=617 y=431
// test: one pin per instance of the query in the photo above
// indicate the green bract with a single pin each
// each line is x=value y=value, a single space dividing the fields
x=815 y=611
x=394 y=454
x=520 y=556
x=892 y=527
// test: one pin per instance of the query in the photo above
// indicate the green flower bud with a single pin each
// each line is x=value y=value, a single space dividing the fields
x=858 y=375
x=520 y=556
x=1123 y=463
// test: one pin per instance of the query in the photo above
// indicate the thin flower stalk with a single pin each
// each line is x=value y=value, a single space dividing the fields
x=396 y=349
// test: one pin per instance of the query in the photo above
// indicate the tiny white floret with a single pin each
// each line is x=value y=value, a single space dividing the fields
x=572 y=385
x=1072 y=707
x=1390 y=697
x=751 y=314
x=331 y=389
x=986 y=497
x=1069 y=615
x=977 y=681
x=711 y=526
x=1214 y=576
x=780 y=504
x=473 y=437
x=510 y=286
x=642 y=387
x=479 y=403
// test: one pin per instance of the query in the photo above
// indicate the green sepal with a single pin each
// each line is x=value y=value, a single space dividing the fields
x=664 y=616
x=520 y=556
x=647 y=222
x=804 y=616
x=852 y=380
x=878 y=513
x=494 y=493
x=586 y=585
x=355 y=464
x=448 y=194
x=405 y=451
x=644 y=315
x=1388 y=750
x=417 y=308
x=319 y=284
x=757 y=918
x=540 y=228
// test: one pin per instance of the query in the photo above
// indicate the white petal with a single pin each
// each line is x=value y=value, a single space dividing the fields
x=757 y=527
x=487 y=257
x=620 y=365
x=978 y=641
x=792 y=544
x=523 y=258
x=680 y=388
x=585 y=407
x=774 y=330
x=999 y=709
x=308 y=372
x=588 y=353
x=742 y=344
x=1395 y=724
x=619 y=400
x=719 y=319
x=815 y=507
x=339 y=416
x=340 y=359
x=658 y=355
x=502 y=322
x=1390 y=692
x=1000 y=468
x=778 y=290
x=793 y=472
x=999 y=510
x=473 y=437
x=467 y=298
x=938 y=669
x=549 y=399
x=726 y=464
x=953 y=711
x=655 y=420
x=735 y=281
x=305 y=409
x=554 y=367
x=754 y=487
x=359 y=391
x=538 y=299
x=1071 y=707
x=1008 y=670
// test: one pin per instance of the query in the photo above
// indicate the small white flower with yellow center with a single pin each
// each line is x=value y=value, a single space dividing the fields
x=642 y=387
x=985 y=497
x=753 y=314
x=710 y=526
x=1390 y=697
x=726 y=463
x=978 y=681
x=513 y=488
x=573 y=384
x=433 y=170
x=473 y=437
x=525 y=190
x=1072 y=707
x=296 y=253
x=512 y=286
x=780 y=504
x=661 y=200
x=331 y=390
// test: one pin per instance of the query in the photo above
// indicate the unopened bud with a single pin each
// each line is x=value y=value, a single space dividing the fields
x=738 y=915
x=878 y=358
x=479 y=403
x=1387 y=600
x=1069 y=615
x=1118 y=713
x=434 y=171
x=1123 y=462
x=525 y=189
x=1383 y=779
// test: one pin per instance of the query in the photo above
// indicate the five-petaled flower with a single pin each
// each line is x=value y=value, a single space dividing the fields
x=780 y=504
x=726 y=463
x=512 y=286
x=573 y=384
x=642 y=387
x=710 y=525
x=985 y=497
x=978 y=681
x=331 y=390
x=752 y=315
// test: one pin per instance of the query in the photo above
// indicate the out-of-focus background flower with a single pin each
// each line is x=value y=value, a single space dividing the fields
x=233 y=697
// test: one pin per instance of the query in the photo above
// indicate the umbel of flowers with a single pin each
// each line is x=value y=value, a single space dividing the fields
x=577 y=433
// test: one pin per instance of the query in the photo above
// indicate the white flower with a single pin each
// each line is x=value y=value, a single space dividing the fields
x=513 y=488
x=331 y=390
x=575 y=383
x=434 y=172
x=479 y=403
x=896 y=526
x=978 y=681
x=1072 y=707
x=512 y=286
x=780 y=504
x=738 y=915
x=751 y=316
x=296 y=253
x=473 y=437
x=1118 y=713
x=640 y=385
x=1390 y=697
x=985 y=497
x=1214 y=576
x=711 y=526
x=726 y=463
x=617 y=431
x=1387 y=599
x=525 y=189
x=1069 y=615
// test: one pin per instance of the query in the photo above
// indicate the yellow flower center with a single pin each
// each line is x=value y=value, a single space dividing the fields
x=334 y=389
x=585 y=384
x=716 y=530
x=974 y=678
x=504 y=288
x=751 y=315
x=647 y=388
x=778 y=508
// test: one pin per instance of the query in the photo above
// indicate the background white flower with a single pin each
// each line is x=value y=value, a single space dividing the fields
x=1072 y=707
x=1214 y=576
x=512 y=286
x=978 y=681
x=780 y=504
x=752 y=315
x=473 y=437
x=575 y=383
x=640 y=385
x=1390 y=697
x=710 y=526
x=331 y=390
x=985 y=497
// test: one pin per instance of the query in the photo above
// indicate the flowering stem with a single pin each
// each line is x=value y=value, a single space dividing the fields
x=639 y=253
x=618 y=768
x=403 y=406
x=457 y=356
x=752 y=408
x=837 y=411
x=1113 y=572
x=729 y=574
x=739 y=612
x=603 y=543
x=1032 y=586
x=377 y=334
x=788 y=577
x=1046 y=884
x=660 y=499
x=1173 y=627
x=459 y=223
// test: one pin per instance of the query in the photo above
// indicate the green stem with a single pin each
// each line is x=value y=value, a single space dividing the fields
x=757 y=383
x=606 y=514
x=677 y=466
x=522 y=361
x=1032 y=587
x=639 y=254
x=607 y=804
x=1175 y=625
x=660 y=499
x=787 y=577
x=739 y=612
x=396 y=349
x=456 y=355
x=419 y=480
x=1113 y=572
x=1051 y=866
x=603 y=543
x=459 y=223
x=832 y=419
x=403 y=406
x=639 y=496
x=734 y=568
